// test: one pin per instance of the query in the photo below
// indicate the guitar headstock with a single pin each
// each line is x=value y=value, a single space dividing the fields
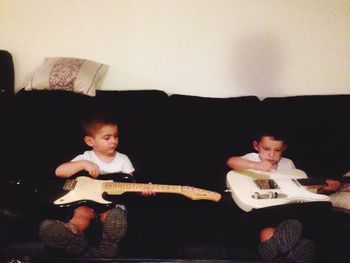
x=200 y=194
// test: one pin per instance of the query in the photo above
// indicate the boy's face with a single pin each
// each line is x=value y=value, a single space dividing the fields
x=269 y=149
x=105 y=140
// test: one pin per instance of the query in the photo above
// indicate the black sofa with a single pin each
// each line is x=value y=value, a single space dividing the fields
x=171 y=139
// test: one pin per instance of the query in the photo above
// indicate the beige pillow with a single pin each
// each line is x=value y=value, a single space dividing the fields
x=72 y=74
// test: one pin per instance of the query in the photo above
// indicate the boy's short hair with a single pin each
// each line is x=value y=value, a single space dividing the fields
x=93 y=121
x=274 y=131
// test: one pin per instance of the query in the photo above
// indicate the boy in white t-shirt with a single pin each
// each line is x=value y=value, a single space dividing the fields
x=267 y=158
x=101 y=134
x=282 y=242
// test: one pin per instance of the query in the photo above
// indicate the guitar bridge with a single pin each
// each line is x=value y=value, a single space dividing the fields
x=69 y=184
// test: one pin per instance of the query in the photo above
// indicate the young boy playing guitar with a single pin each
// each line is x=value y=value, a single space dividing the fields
x=101 y=134
x=282 y=242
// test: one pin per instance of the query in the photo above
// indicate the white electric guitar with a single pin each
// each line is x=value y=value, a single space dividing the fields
x=253 y=189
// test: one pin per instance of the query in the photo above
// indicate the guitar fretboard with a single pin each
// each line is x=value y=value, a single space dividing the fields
x=320 y=181
x=118 y=187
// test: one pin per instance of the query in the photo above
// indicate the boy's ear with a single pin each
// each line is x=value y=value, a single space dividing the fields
x=256 y=145
x=284 y=147
x=89 y=140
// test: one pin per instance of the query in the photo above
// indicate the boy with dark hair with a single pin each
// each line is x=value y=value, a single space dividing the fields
x=281 y=243
x=101 y=134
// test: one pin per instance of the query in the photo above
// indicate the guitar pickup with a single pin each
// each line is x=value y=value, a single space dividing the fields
x=266 y=184
x=268 y=195
x=69 y=184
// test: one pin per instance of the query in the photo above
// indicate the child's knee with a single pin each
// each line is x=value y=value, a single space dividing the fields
x=266 y=233
x=84 y=212
x=103 y=216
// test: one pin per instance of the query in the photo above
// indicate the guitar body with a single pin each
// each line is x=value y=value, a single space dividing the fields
x=81 y=190
x=252 y=189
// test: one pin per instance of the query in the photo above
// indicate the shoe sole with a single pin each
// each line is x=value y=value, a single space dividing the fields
x=114 y=229
x=303 y=252
x=287 y=234
x=56 y=234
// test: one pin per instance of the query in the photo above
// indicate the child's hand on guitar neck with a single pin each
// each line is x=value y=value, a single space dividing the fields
x=148 y=192
x=330 y=186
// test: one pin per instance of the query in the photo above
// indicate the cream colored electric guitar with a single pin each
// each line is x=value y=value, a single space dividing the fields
x=86 y=189
x=253 y=189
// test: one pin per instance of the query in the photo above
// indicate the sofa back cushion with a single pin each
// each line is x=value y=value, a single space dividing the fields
x=318 y=129
x=7 y=76
x=142 y=117
x=204 y=132
x=45 y=130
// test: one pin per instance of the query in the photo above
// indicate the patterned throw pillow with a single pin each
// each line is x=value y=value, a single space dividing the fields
x=72 y=74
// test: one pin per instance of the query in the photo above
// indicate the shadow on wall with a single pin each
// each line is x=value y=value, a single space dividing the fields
x=257 y=64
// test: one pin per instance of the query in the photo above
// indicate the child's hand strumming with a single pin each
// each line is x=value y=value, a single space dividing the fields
x=265 y=166
x=92 y=169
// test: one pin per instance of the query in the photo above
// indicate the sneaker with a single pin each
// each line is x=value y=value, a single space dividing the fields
x=303 y=252
x=114 y=229
x=63 y=236
x=286 y=236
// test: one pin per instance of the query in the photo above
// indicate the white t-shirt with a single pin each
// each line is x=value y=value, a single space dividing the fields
x=283 y=163
x=120 y=164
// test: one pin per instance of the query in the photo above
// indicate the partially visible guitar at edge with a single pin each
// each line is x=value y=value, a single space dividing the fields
x=84 y=188
x=253 y=189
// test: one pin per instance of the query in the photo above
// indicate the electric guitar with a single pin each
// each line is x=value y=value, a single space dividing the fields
x=85 y=189
x=253 y=189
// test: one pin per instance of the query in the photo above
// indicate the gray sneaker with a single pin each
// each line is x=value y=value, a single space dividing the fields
x=303 y=252
x=286 y=236
x=63 y=236
x=114 y=229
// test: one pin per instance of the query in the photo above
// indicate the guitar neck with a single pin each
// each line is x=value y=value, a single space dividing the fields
x=117 y=188
x=318 y=182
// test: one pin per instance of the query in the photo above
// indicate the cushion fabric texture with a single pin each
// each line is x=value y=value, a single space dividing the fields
x=72 y=74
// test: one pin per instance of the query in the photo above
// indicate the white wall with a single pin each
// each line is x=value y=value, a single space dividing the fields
x=216 y=48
